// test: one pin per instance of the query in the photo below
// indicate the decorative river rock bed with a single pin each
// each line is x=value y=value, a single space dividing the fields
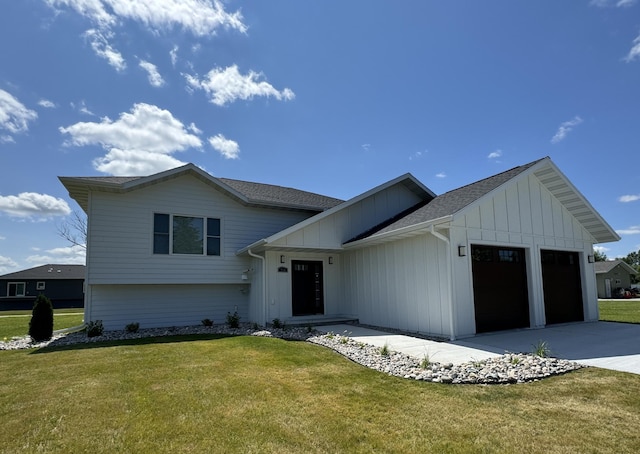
x=505 y=369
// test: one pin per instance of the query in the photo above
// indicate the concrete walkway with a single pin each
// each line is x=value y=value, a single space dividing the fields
x=609 y=345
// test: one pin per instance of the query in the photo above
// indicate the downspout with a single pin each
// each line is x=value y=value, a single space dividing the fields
x=264 y=284
x=449 y=279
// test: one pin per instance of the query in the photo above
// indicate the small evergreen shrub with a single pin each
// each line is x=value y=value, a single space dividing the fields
x=255 y=326
x=95 y=328
x=41 y=324
x=276 y=323
x=132 y=327
x=233 y=320
x=207 y=322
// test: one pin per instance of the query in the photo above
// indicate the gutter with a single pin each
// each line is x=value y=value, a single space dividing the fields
x=440 y=236
x=264 y=284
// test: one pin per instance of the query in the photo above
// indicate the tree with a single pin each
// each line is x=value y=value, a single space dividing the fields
x=74 y=230
x=600 y=256
x=41 y=324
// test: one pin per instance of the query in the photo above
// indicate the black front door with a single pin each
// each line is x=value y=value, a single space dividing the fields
x=306 y=282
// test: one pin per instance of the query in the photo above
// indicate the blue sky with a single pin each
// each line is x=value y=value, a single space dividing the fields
x=330 y=96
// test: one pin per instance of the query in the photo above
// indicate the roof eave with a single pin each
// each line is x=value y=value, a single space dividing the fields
x=404 y=232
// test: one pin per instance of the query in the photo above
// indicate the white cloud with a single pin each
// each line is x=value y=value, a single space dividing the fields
x=14 y=116
x=495 y=154
x=634 y=53
x=140 y=142
x=100 y=44
x=629 y=198
x=173 y=53
x=46 y=104
x=73 y=255
x=366 y=146
x=155 y=79
x=600 y=249
x=416 y=155
x=441 y=175
x=28 y=204
x=612 y=3
x=7 y=139
x=6 y=264
x=227 y=148
x=200 y=17
x=633 y=230
x=227 y=85
x=565 y=128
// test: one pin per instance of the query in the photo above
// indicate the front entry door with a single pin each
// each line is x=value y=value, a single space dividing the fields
x=307 y=288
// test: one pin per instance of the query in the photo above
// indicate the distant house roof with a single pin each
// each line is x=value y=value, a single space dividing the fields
x=446 y=205
x=607 y=266
x=245 y=192
x=47 y=272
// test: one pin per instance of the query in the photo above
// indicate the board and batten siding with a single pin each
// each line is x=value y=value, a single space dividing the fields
x=166 y=305
x=522 y=214
x=401 y=284
x=120 y=245
x=333 y=230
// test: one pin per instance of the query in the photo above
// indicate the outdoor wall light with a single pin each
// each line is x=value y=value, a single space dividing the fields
x=244 y=276
x=462 y=251
x=282 y=259
x=330 y=260
x=591 y=258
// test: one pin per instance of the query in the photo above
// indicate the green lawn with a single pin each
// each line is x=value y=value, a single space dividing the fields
x=620 y=311
x=16 y=323
x=262 y=395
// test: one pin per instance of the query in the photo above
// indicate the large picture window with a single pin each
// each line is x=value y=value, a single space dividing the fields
x=186 y=235
x=16 y=289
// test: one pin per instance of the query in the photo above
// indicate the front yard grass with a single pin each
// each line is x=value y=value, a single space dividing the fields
x=620 y=311
x=252 y=394
x=16 y=323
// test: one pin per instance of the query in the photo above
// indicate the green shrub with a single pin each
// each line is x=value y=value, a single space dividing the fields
x=384 y=350
x=207 y=322
x=276 y=323
x=41 y=324
x=132 y=327
x=233 y=320
x=94 y=328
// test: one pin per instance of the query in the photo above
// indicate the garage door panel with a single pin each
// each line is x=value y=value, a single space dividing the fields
x=562 y=286
x=499 y=288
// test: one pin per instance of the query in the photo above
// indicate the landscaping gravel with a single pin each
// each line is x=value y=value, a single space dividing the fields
x=505 y=369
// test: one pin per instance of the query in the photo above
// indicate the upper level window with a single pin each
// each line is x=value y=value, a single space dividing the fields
x=186 y=235
x=16 y=289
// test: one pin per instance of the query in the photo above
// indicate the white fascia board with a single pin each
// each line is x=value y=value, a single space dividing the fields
x=415 y=228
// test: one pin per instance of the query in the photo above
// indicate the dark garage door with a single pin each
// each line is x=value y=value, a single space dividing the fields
x=499 y=288
x=562 y=287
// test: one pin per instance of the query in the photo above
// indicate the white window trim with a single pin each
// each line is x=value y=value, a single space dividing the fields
x=205 y=235
x=24 y=289
x=40 y=285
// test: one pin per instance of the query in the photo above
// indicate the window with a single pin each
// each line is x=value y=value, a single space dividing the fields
x=40 y=285
x=16 y=289
x=186 y=235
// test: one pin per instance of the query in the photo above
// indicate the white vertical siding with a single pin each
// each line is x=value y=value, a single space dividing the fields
x=334 y=230
x=415 y=300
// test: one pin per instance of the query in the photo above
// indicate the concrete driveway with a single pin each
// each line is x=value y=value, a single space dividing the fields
x=608 y=345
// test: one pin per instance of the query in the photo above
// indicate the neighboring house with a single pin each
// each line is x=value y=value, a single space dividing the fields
x=612 y=275
x=511 y=251
x=62 y=284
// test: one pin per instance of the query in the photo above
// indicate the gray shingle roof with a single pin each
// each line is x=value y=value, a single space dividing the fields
x=46 y=272
x=608 y=265
x=453 y=201
x=255 y=193
x=271 y=194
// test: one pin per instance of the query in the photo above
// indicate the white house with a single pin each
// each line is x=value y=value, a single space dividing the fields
x=513 y=250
